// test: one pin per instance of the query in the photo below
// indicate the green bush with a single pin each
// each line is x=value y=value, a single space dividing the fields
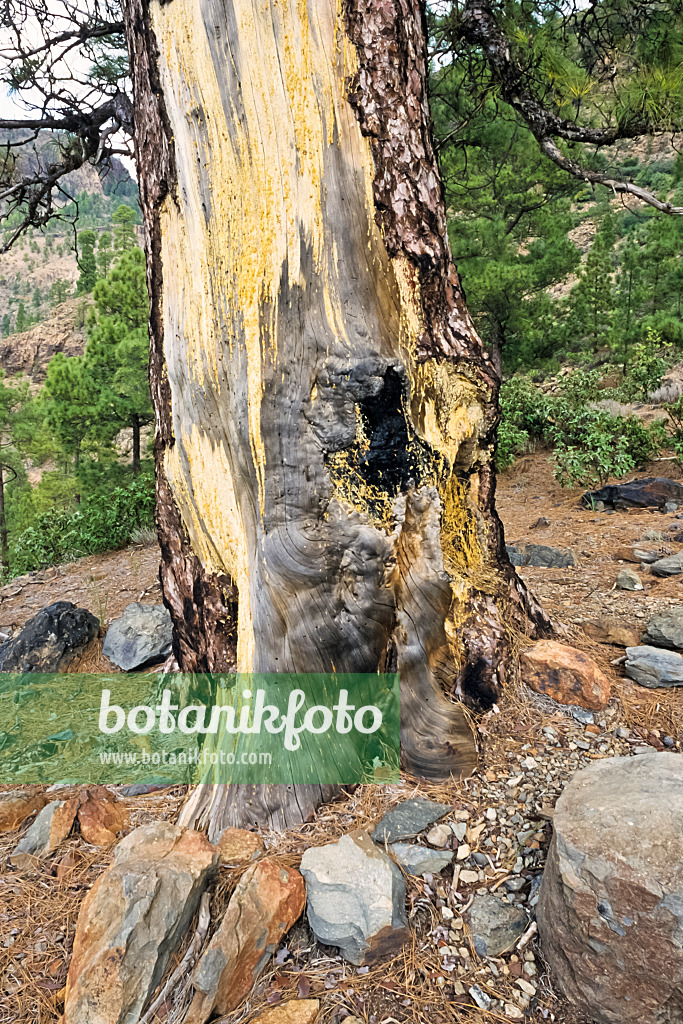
x=605 y=446
x=100 y=523
x=646 y=369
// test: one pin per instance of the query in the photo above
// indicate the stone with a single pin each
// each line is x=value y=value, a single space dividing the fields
x=636 y=555
x=408 y=819
x=649 y=492
x=68 y=863
x=672 y=565
x=133 y=919
x=15 y=807
x=439 y=836
x=266 y=903
x=50 y=640
x=610 y=913
x=496 y=925
x=420 y=860
x=47 y=832
x=653 y=667
x=541 y=523
x=665 y=629
x=355 y=898
x=540 y=555
x=565 y=674
x=608 y=631
x=670 y=507
x=628 y=580
x=237 y=846
x=141 y=636
x=101 y=816
x=296 y=1011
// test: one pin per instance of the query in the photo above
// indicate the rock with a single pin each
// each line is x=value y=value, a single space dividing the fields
x=50 y=640
x=267 y=901
x=541 y=523
x=68 y=863
x=565 y=674
x=408 y=818
x=540 y=555
x=356 y=896
x=672 y=565
x=101 y=816
x=653 y=667
x=610 y=913
x=50 y=828
x=608 y=631
x=420 y=860
x=628 y=580
x=142 y=635
x=637 y=555
x=132 y=920
x=670 y=507
x=650 y=492
x=237 y=846
x=296 y=1011
x=665 y=629
x=439 y=836
x=496 y=925
x=16 y=806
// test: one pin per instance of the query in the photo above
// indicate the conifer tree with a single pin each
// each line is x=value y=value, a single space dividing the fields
x=87 y=262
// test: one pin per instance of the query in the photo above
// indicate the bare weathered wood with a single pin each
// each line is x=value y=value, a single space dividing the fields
x=325 y=409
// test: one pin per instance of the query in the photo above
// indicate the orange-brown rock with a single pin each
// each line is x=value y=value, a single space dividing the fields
x=101 y=816
x=565 y=674
x=48 y=831
x=132 y=921
x=296 y=1011
x=607 y=631
x=237 y=846
x=67 y=863
x=16 y=806
x=265 y=905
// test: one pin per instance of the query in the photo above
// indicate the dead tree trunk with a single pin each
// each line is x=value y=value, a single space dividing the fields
x=325 y=411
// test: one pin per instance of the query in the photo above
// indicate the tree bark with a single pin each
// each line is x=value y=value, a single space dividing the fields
x=136 y=444
x=325 y=411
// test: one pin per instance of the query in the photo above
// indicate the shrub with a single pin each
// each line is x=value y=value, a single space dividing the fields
x=100 y=523
x=647 y=368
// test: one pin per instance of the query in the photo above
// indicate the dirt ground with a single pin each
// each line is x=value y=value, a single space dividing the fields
x=529 y=749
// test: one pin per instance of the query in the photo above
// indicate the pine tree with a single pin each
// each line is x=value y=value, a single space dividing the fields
x=14 y=394
x=628 y=298
x=593 y=296
x=87 y=262
x=6 y=326
x=21 y=321
x=105 y=254
x=125 y=238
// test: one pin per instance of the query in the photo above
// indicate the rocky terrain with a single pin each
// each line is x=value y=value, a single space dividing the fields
x=407 y=902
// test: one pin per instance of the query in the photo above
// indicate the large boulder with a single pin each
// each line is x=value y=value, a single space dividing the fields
x=267 y=901
x=132 y=921
x=50 y=640
x=610 y=912
x=540 y=555
x=653 y=667
x=650 y=492
x=356 y=898
x=665 y=629
x=565 y=674
x=141 y=636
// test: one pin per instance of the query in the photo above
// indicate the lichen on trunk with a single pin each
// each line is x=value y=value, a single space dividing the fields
x=325 y=410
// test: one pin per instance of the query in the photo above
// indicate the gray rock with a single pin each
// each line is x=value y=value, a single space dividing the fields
x=540 y=555
x=645 y=556
x=496 y=924
x=142 y=635
x=50 y=640
x=132 y=921
x=420 y=860
x=666 y=628
x=610 y=913
x=670 y=507
x=629 y=580
x=652 y=666
x=408 y=818
x=40 y=839
x=670 y=566
x=355 y=898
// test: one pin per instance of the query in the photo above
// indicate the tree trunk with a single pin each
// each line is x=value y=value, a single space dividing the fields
x=325 y=410
x=136 y=444
x=4 y=540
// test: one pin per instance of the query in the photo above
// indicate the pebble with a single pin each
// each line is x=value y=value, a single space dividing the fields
x=439 y=836
x=463 y=852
